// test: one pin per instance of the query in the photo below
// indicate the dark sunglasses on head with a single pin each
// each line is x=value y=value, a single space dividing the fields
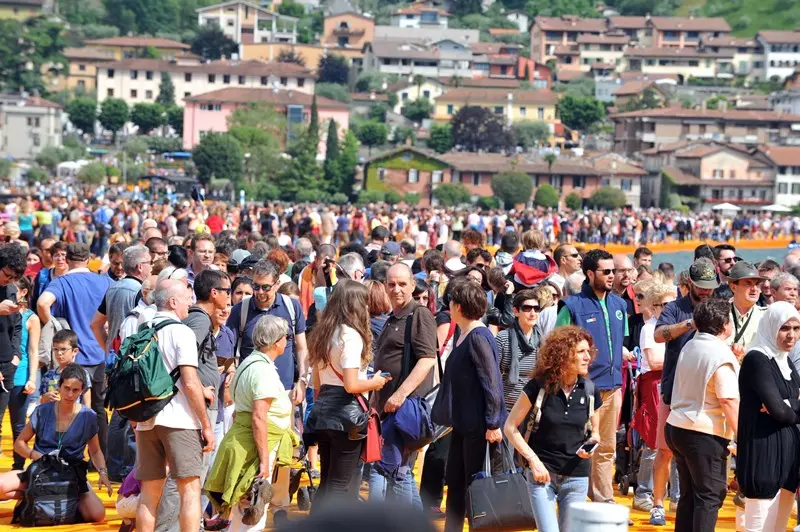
x=607 y=271
x=528 y=308
x=264 y=287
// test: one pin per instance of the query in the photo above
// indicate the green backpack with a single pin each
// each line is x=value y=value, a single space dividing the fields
x=139 y=385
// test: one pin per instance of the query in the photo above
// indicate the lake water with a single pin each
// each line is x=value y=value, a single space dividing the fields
x=683 y=259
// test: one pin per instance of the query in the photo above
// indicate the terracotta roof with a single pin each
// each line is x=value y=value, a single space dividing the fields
x=89 y=53
x=499 y=96
x=602 y=66
x=691 y=24
x=155 y=42
x=400 y=149
x=36 y=101
x=633 y=88
x=613 y=163
x=570 y=75
x=698 y=151
x=501 y=59
x=368 y=97
x=497 y=162
x=728 y=40
x=780 y=37
x=281 y=97
x=754 y=101
x=402 y=50
x=503 y=31
x=681 y=177
x=664 y=148
x=245 y=68
x=666 y=51
x=603 y=39
x=485 y=82
x=571 y=23
x=782 y=155
x=730 y=114
x=417 y=8
x=491 y=47
x=628 y=23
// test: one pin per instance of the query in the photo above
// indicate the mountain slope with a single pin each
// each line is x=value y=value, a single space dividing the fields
x=747 y=17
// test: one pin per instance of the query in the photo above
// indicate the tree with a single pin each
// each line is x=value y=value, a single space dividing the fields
x=313 y=125
x=92 y=174
x=546 y=196
x=372 y=134
x=573 y=201
x=333 y=68
x=607 y=198
x=29 y=51
x=50 y=157
x=512 y=188
x=418 y=110
x=219 y=156
x=489 y=203
x=451 y=194
x=401 y=135
x=290 y=8
x=419 y=80
x=136 y=146
x=550 y=158
x=393 y=197
x=348 y=160
x=212 y=43
x=114 y=113
x=378 y=112
x=260 y=115
x=529 y=133
x=36 y=175
x=175 y=119
x=331 y=168
x=147 y=117
x=5 y=169
x=332 y=91
x=166 y=91
x=291 y=56
x=441 y=138
x=580 y=113
x=82 y=113
x=477 y=128
x=303 y=171
x=411 y=198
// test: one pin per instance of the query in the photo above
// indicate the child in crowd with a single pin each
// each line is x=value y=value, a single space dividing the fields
x=65 y=349
x=128 y=500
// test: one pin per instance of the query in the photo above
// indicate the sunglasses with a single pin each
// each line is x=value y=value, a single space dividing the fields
x=528 y=308
x=728 y=260
x=264 y=287
x=607 y=271
x=226 y=290
x=574 y=255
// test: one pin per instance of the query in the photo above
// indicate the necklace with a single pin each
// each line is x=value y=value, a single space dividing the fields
x=72 y=417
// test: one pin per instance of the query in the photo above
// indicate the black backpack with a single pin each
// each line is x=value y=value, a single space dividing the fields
x=54 y=490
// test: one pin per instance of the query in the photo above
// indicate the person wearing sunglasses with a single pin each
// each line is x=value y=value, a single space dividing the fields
x=604 y=316
x=724 y=259
x=518 y=346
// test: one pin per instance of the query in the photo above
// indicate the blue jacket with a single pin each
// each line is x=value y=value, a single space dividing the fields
x=401 y=432
x=586 y=312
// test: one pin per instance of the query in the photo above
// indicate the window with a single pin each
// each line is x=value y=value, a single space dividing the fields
x=110 y=73
x=404 y=96
x=134 y=74
x=212 y=78
x=718 y=173
x=37 y=140
x=732 y=174
x=284 y=81
x=82 y=68
x=626 y=184
x=148 y=74
x=413 y=175
x=264 y=80
x=241 y=80
x=436 y=177
x=578 y=181
x=523 y=111
x=134 y=93
x=795 y=188
x=498 y=109
x=381 y=174
x=301 y=82
x=557 y=181
x=148 y=95
x=450 y=109
x=187 y=77
x=426 y=95
x=110 y=93
x=226 y=79
x=81 y=85
x=186 y=95
x=540 y=113
x=476 y=179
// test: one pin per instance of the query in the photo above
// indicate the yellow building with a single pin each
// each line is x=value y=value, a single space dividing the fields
x=20 y=9
x=311 y=53
x=132 y=47
x=83 y=65
x=512 y=105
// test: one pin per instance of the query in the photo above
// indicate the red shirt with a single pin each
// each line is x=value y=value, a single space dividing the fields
x=215 y=224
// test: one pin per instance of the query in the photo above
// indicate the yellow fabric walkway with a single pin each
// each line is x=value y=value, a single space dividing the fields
x=726 y=518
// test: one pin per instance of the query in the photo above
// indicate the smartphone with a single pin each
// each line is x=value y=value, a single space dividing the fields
x=590 y=447
x=385 y=374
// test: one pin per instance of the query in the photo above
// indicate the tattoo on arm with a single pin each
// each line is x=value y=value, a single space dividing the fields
x=666 y=334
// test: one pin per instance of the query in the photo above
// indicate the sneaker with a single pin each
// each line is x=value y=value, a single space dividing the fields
x=673 y=506
x=644 y=504
x=657 y=516
x=215 y=524
x=281 y=517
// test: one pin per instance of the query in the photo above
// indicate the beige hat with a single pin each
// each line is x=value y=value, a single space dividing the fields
x=12 y=229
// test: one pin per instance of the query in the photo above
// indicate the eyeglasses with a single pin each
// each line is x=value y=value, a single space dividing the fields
x=607 y=271
x=528 y=308
x=729 y=260
x=226 y=290
x=264 y=287
x=480 y=266
x=10 y=274
x=59 y=350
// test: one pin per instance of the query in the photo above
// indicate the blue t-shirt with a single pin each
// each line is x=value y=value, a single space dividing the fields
x=21 y=373
x=50 y=381
x=78 y=295
x=74 y=440
x=674 y=312
x=285 y=362
x=342 y=224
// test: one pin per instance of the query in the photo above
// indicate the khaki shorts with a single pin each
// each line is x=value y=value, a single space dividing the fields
x=182 y=449
x=663 y=414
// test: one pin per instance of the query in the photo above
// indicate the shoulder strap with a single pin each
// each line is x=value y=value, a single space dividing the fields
x=158 y=326
x=239 y=376
x=536 y=414
x=588 y=390
x=245 y=308
x=408 y=351
x=287 y=301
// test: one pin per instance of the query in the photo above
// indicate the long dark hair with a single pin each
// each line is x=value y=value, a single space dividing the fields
x=348 y=305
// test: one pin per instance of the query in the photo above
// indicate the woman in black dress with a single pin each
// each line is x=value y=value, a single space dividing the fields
x=768 y=440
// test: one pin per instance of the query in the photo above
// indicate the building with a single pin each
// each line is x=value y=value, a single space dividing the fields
x=548 y=33
x=407 y=58
x=28 y=124
x=786 y=160
x=636 y=28
x=138 y=80
x=520 y=18
x=361 y=103
x=632 y=91
x=781 y=52
x=720 y=173
x=618 y=172
x=683 y=32
x=427 y=34
x=495 y=60
x=132 y=47
x=348 y=30
x=209 y=112
x=408 y=91
x=248 y=23
x=420 y=15
x=786 y=101
x=637 y=131
x=310 y=53
x=606 y=50
x=748 y=55
x=684 y=63
x=83 y=66
x=21 y=9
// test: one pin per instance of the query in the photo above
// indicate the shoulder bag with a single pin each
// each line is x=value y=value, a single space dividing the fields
x=373 y=443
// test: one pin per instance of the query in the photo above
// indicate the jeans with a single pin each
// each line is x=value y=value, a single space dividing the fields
x=120 y=448
x=465 y=459
x=387 y=489
x=561 y=490
x=338 y=463
x=98 y=375
x=645 y=477
x=431 y=484
x=18 y=412
x=702 y=465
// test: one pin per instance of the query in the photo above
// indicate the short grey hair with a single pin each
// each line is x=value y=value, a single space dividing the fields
x=452 y=249
x=132 y=257
x=167 y=289
x=269 y=329
x=783 y=277
x=171 y=272
x=266 y=267
x=573 y=284
x=350 y=263
x=304 y=248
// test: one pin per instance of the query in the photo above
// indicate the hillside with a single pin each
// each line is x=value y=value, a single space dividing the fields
x=747 y=17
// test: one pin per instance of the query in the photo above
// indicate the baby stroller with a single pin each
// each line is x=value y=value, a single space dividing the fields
x=301 y=465
x=629 y=443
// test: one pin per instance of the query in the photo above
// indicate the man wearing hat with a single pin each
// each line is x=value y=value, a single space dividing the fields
x=675 y=327
x=744 y=280
x=390 y=252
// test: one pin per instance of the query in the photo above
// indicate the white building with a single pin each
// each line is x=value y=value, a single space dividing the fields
x=138 y=80
x=28 y=124
x=420 y=15
x=786 y=101
x=248 y=23
x=787 y=173
x=520 y=18
x=446 y=58
x=781 y=52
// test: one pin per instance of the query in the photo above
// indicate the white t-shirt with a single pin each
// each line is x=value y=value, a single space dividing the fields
x=647 y=341
x=144 y=313
x=179 y=348
x=346 y=348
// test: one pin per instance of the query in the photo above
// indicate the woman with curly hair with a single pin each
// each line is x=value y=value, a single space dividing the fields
x=564 y=397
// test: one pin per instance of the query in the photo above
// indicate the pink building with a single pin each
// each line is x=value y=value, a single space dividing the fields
x=209 y=112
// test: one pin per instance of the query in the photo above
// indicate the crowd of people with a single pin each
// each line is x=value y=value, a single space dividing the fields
x=289 y=332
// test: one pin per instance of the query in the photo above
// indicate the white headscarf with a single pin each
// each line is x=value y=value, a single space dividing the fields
x=766 y=336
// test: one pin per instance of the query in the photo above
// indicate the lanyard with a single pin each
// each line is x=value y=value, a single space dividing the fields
x=739 y=332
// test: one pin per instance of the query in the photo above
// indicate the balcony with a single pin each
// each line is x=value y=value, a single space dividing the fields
x=745 y=139
x=649 y=137
x=348 y=32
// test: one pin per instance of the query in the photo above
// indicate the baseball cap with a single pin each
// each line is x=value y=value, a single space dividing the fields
x=390 y=249
x=77 y=252
x=744 y=270
x=238 y=256
x=703 y=274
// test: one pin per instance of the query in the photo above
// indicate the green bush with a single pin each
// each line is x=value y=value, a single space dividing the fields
x=93 y=173
x=37 y=174
x=113 y=171
x=488 y=202
x=411 y=198
x=607 y=198
x=370 y=196
x=393 y=197
x=452 y=194
x=339 y=198
x=311 y=195
x=573 y=201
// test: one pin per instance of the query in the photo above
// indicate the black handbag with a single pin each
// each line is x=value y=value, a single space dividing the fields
x=500 y=502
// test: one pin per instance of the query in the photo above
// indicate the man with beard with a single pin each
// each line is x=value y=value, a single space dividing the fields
x=675 y=327
x=768 y=269
x=724 y=259
x=603 y=314
x=745 y=282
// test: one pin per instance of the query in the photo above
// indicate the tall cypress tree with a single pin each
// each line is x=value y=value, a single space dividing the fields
x=332 y=174
x=313 y=124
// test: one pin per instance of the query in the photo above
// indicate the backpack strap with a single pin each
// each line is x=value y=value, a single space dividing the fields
x=242 y=325
x=287 y=301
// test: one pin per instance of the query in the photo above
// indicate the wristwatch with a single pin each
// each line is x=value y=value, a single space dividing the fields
x=689 y=324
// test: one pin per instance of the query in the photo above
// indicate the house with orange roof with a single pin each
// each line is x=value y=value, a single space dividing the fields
x=781 y=52
x=550 y=33
x=248 y=23
x=420 y=15
x=134 y=46
x=787 y=173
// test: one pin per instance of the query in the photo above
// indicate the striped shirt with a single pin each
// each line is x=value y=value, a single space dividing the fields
x=511 y=392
